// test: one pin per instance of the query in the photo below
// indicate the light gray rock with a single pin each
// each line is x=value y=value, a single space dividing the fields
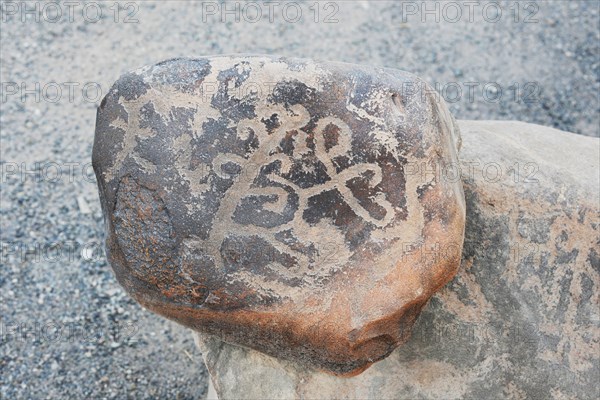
x=520 y=320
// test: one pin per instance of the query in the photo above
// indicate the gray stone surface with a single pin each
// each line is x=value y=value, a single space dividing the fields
x=521 y=318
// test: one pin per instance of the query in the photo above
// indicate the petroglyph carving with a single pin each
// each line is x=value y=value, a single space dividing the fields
x=277 y=216
x=272 y=148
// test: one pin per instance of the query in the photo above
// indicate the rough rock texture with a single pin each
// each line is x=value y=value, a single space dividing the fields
x=274 y=202
x=520 y=320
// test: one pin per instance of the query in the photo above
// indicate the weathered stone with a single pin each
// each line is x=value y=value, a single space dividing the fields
x=274 y=202
x=520 y=320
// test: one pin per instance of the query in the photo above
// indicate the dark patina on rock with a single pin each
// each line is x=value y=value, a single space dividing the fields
x=296 y=207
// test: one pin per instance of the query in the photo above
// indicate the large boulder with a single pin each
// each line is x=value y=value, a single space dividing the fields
x=276 y=203
x=522 y=317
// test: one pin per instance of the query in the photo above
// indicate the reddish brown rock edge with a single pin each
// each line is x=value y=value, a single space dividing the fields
x=307 y=210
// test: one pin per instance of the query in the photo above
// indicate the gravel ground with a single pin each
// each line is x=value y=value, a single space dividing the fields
x=67 y=329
